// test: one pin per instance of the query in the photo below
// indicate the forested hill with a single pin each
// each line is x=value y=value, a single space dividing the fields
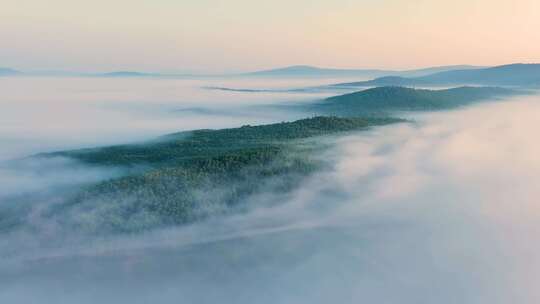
x=184 y=177
x=185 y=146
x=384 y=99
x=188 y=176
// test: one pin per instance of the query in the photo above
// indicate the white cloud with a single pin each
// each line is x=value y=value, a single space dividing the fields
x=442 y=211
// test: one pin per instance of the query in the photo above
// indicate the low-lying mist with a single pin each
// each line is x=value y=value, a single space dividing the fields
x=46 y=114
x=443 y=210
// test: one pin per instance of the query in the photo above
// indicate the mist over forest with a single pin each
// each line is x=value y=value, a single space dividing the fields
x=269 y=152
x=144 y=189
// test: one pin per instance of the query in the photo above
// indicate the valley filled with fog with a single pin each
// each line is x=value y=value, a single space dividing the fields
x=441 y=208
x=48 y=113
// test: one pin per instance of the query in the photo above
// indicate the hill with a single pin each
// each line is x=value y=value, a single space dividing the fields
x=505 y=75
x=386 y=81
x=183 y=177
x=9 y=72
x=384 y=99
x=185 y=147
x=510 y=75
x=432 y=70
x=310 y=71
x=121 y=74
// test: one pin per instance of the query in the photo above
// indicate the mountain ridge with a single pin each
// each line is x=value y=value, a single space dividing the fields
x=313 y=71
x=515 y=74
x=395 y=98
x=9 y=72
x=289 y=71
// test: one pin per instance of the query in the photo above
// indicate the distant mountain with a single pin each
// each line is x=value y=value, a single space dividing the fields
x=9 y=72
x=298 y=71
x=125 y=74
x=432 y=70
x=54 y=73
x=512 y=75
x=310 y=71
x=386 y=81
x=383 y=99
x=505 y=75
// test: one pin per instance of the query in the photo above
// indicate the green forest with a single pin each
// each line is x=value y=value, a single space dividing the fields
x=184 y=177
x=187 y=176
x=382 y=100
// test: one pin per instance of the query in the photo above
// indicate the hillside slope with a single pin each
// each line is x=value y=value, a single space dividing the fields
x=184 y=177
x=385 y=99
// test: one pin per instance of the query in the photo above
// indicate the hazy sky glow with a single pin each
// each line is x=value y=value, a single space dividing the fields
x=240 y=35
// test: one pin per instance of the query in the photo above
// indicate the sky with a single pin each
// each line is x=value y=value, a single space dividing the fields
x=243 y=35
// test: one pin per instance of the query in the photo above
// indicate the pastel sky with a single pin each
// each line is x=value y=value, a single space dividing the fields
x=241 y=35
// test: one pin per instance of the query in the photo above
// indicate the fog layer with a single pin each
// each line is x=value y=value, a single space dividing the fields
x=44 y=114
x=439 y=211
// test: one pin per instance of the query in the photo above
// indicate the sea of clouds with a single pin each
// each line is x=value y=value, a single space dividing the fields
x=441 y=210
